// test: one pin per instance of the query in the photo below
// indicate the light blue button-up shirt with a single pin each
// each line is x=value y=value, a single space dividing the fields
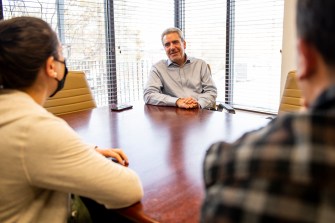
x=167 y=82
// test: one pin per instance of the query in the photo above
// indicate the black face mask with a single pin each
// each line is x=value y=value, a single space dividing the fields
x=60 y=82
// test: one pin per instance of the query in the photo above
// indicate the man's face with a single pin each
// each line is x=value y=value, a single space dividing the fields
x=174 y=48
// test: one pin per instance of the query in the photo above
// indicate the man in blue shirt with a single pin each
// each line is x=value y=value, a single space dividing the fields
x=180 y=81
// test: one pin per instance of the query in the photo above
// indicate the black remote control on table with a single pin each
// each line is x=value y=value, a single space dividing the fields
x=120 y=107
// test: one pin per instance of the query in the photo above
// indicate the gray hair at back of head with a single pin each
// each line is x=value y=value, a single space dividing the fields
x=173 y=30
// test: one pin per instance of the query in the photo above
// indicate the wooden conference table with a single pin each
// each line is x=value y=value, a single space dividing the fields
x=166 y=147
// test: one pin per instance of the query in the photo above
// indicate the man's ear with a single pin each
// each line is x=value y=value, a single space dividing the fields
x=307 y=59
x=184 y=44
x=50 y=67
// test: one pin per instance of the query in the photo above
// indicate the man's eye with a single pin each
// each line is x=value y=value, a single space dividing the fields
x=167 y=44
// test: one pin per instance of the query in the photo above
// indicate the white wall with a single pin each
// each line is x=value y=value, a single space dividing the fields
x=289 y=43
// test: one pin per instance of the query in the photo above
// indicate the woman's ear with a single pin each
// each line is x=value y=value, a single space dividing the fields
x=50 y=67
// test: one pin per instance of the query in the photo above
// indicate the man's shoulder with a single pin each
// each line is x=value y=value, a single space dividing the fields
x=195 y=59
x=275 y=132
x=283 y=136
x=159 y=63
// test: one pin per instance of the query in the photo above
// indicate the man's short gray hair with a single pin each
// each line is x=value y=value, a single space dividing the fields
x=173 y=30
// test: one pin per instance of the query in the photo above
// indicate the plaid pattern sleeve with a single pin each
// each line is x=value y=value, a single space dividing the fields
x=284 y=172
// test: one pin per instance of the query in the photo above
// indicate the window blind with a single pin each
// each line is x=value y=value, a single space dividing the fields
x=80 y=26
x=241 y=40
x=138 y=28
x=116 y=41
x=113 y=42
x=205 y=35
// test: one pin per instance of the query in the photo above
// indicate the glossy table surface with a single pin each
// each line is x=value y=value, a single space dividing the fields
x=166 y=147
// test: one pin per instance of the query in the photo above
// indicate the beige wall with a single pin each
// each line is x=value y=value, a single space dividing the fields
x=289 y=43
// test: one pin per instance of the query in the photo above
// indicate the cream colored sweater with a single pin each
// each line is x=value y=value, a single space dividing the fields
x=42 y=160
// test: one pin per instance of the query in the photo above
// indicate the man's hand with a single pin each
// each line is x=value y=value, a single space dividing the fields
x=187 y=103
x=117 y=154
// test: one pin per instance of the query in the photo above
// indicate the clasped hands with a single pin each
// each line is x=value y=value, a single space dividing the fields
x=187 y=103
x=116 y=154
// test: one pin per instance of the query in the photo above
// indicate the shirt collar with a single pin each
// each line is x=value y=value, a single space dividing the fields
x=170 y=63
x=325 y=100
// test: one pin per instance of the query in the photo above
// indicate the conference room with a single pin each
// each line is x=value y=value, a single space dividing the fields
x=110 y=47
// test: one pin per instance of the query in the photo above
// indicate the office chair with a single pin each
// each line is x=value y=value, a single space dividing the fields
x=291 y=98
x=75 y=96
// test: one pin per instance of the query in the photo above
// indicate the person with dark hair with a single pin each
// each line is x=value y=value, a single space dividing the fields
x=42 y=160
x=180 y=81
x=284 y=172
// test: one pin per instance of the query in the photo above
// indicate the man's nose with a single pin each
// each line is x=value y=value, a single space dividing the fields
x=172 y=46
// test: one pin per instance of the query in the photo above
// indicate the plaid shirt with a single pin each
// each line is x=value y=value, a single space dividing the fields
x=284 y=172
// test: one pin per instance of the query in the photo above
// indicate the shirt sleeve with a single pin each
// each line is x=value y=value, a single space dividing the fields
x=56 y=158
x=153 y=91
x=207 y=99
